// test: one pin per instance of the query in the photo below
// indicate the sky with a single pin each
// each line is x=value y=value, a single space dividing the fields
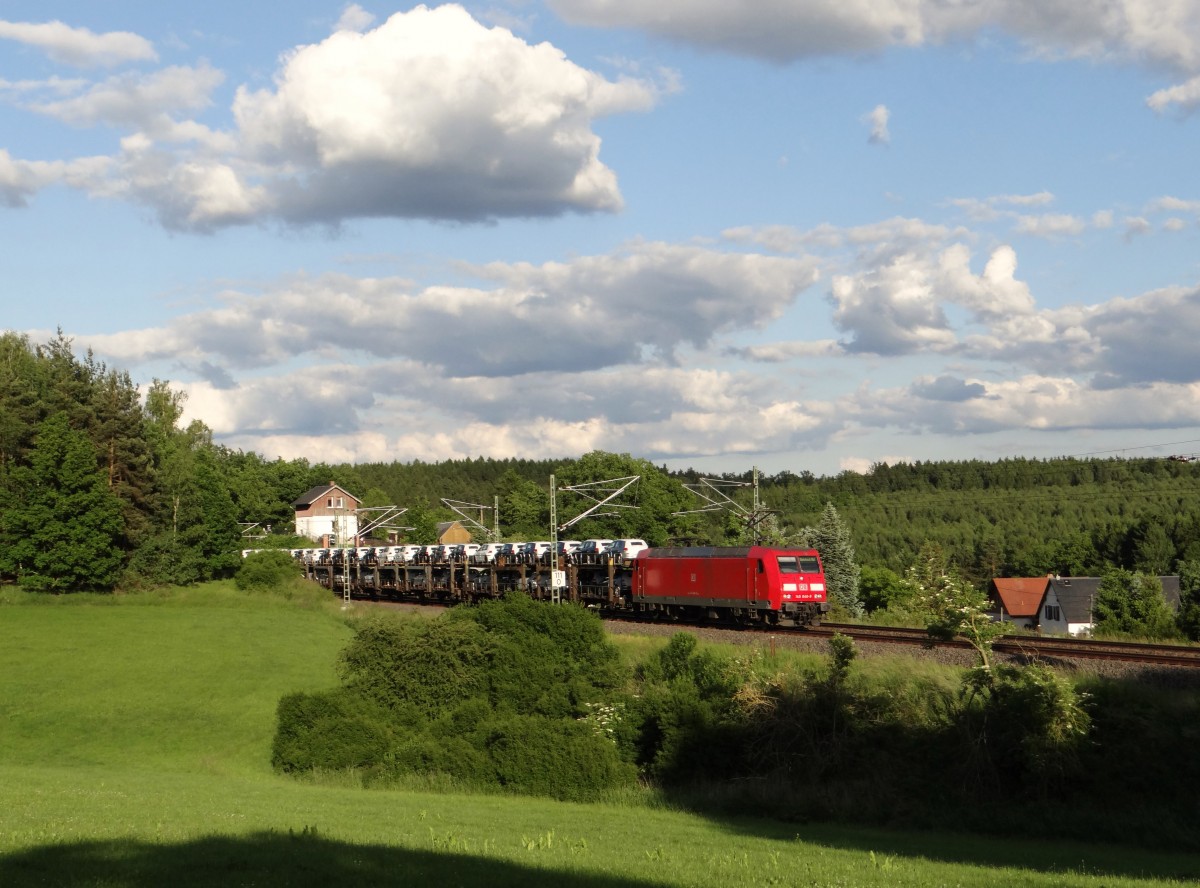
x=803 y=236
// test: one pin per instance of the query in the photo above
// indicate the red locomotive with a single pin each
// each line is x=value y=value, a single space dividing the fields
x=751 y=584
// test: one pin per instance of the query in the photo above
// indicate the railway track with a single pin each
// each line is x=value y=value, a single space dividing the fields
x=1032 y=647
x=1022 y=647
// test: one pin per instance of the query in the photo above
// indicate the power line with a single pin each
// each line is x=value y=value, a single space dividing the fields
x=1138 y=447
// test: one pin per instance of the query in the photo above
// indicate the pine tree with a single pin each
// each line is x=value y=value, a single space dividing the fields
x=63 y=536
x=832 y=541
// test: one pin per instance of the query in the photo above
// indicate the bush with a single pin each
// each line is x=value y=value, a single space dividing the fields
x=565 y=760
x=488 y=696
x=1036 y=725
x=263 y=571
x=330 y=731
x=684 y=724
x=545 y=659
x=431 y=665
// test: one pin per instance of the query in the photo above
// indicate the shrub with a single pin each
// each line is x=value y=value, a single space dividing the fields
x=263 y=571
x=1036 y=724
x=487 y=696
x=330 y=731
x=565 y=760
x=431 y=665
x=544 y=659
x=684 y=724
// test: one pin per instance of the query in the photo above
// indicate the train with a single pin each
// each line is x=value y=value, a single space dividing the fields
x=744 y=585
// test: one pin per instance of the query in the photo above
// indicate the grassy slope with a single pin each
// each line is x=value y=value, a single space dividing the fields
x=134 y=743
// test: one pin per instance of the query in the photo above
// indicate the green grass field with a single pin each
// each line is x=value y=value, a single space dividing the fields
x=134 y=750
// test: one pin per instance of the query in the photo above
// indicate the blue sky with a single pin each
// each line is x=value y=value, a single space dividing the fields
x=805 y=236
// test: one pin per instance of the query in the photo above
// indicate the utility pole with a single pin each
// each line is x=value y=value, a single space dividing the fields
x=344 y=532
x=557 y=578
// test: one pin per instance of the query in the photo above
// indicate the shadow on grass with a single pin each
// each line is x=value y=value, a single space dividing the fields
x=273 y=859
x=1047 y=851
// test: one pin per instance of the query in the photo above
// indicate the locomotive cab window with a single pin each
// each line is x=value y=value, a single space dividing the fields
x=761 y=569
x=793 y=564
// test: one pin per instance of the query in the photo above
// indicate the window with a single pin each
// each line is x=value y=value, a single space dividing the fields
x=1053 y=612
x=792 y=564
x=341 y=502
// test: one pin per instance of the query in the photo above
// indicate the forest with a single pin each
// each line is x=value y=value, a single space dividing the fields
x=105 y=488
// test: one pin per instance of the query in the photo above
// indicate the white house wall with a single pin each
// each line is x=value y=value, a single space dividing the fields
x=1051 y=606
x=316 y=526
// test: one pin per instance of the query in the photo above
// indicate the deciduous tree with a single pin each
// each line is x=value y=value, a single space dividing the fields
x=1132 y=603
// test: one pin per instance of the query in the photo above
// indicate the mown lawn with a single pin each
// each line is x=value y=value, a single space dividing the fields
x=134 y=750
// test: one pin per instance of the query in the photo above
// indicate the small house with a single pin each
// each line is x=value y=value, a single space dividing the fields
x=1019 y=599
x=328 y=511
x=1058 y=605
x=450 y=533
x=1067 y=607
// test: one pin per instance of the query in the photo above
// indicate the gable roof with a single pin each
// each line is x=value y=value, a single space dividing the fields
x=1078 y=594
x=309 y=497
x=1020 y=596
x=1075 y=595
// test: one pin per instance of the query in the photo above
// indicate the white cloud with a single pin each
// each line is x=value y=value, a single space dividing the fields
x=429 y=115
x=782 y=352
x=878 y=121
x=658 y=412
x=1135 y=225
x=138 y=101
x=891 y=309
x=894 y=304
x=1037 y=404
x=354 y=18
x=433 y=115
x=1169 y=204
x=79 y=46
x=1184 y=95
x=1149 y=338
x=649 y=300
x=1163 y=35
x=1051 y=225
x=21 y=179
x=999 y=206
x=13 y=90
x=893 y=234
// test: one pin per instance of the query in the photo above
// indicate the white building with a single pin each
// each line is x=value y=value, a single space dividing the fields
x=328 y=512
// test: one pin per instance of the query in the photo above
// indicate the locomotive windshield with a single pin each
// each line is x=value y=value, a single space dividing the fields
x=794 y=564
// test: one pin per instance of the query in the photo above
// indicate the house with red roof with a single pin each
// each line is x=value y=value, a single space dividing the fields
x=1019 y=599
x=1057 y=605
